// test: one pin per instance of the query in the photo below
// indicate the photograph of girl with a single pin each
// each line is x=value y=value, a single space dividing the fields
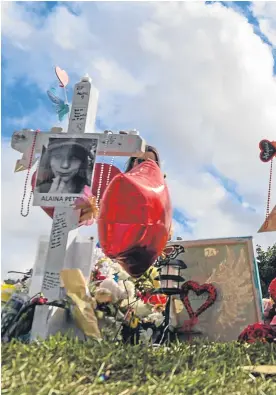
x=66 y=165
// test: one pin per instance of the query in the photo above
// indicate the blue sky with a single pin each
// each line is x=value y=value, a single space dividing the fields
x=24 y=97
x=195 y=99
x=245 y=7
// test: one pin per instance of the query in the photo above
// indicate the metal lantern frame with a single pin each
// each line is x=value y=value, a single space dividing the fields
x=170 y=278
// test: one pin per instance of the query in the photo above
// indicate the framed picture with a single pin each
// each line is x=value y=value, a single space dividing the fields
x=229 y=265
x=66 y=166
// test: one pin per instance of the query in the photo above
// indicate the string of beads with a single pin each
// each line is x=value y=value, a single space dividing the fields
x=27 y=179
x=268 y=195
x=107 y=132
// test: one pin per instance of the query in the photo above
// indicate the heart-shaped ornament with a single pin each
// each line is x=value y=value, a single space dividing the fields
x=198 y=290
x=268 y=150
x=62 y=77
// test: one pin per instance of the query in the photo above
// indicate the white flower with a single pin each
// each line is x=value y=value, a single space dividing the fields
x=156 y=318
x=122 y=274
x=130 y=289
x=146 y=335
x=97 y=255
x=105 y=268
x=141 y=309
x=103 y=295
x=116 y=291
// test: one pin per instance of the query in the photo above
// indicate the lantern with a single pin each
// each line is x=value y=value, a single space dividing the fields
x=170 y=279
x=170 y=276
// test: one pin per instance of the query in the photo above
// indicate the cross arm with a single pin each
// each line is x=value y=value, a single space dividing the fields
x=110 y=144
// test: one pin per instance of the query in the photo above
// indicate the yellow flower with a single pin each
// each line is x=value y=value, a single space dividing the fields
x=134 y=322
x=159 y=308
x=99 y=314
x=154 y=274
x=93 y=206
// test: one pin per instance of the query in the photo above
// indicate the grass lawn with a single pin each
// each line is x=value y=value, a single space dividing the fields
x=68 y=367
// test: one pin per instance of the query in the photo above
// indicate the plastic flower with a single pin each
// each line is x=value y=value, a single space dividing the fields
x=158 y=308
x=96 y=275
x=40 y=300
x=117 y=268
x=129 y=288
x=134 y=322
x=117 y=292
x=156 y=318
x=141 y=309
x=158 y=299
x=153 y=273
x=103 y=295
x=88 y=207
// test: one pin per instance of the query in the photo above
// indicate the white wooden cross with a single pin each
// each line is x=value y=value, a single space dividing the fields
x=66 y=219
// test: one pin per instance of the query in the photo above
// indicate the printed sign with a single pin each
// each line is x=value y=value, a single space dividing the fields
x=66 y=166
x=227 y=265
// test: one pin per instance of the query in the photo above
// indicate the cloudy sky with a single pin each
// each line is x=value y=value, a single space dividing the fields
x=196 y=79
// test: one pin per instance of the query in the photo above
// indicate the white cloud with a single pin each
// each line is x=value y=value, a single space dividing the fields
x=12 y=16
x=117 y=79
x=19 y=234
x=194 y=79
x=265 y=12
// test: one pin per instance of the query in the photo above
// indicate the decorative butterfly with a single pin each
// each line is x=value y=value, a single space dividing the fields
x=61 y=108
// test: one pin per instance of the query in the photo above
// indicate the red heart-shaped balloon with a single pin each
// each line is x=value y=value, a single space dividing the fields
x=135 y=218
x=198 y=290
